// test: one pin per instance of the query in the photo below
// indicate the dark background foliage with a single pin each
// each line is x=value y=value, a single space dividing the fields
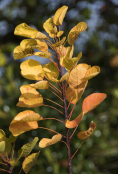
x=99 y=45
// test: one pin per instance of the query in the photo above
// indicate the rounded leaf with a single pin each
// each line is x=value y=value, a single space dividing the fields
x=92 y=101
x=47 y=142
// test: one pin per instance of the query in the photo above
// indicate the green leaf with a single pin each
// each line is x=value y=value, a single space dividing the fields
x=2 y=135
x=2 y=146
x=12 y=138
x=27 y=148
x=29 y=162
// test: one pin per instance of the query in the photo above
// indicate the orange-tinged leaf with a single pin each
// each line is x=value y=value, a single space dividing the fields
x=50 y=27
x=21 y=127
x=59 y=15
x=75 y=122
x=43 y=54
x=24 y=121
x=32 y=69
x=92 y=101
x=41 y=85
x=83 y=135
x=74 y=32
x=76 y=75
x=29 y=162
x=29 y=102
x=41 y=36
x=34 y=43
x=47 y=142
x=92 y=72
x=27 y=116
x=20 y=53
x=58 y=44
x=29 y=92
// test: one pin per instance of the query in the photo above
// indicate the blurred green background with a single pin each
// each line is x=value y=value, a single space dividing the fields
x=99 y=45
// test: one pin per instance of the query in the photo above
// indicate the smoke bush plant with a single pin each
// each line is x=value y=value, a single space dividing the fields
x=68 y=87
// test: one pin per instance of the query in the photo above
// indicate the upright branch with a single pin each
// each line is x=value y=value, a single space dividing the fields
x=66 y=117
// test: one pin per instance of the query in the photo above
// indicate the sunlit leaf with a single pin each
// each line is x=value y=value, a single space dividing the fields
x=76 y=75
x=20 y=53
x=64 y=77
x=41 y=85
x=83 y=135
x=26 y=31
x=32 y=69
x=92 y=101
x=47 y=142
x=27 y=148
x=29 y=102
x=43 y=54
x=50 y=27
x=29 y=162
x=60 y=33
x=69 y=52
x=24 y=121
x=29 y=92
x=34 y=43
x=51 y=72
x=59 y=15
x=74 y=32
x=57 y=44
x=75 y=122
x=92 y=72
x=70 y=63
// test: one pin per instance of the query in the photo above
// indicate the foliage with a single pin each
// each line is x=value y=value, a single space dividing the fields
x=70 y=86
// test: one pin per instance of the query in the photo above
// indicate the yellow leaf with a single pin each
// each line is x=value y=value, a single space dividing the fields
x=50 y=27
x=32 y=69
x=83 y=135
x=75 y=122
x=73 y=96
x=51 y=72
x=29 y=92
x=91 y=72
x=43 y=54
x=60 y=33
x=64 y=77
x=21 y=127
x=2 y=135
x=59 y=15
x=34 y=43
x=47 y=142
x=69 y=52
x=29 y=102
x=41 y=85
x=20 y=53
x=24 y=121
x=74 y=32
x=59 y=43
x=26 y=31
x=29 y=162
x=70 y=63
x=76 y=75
